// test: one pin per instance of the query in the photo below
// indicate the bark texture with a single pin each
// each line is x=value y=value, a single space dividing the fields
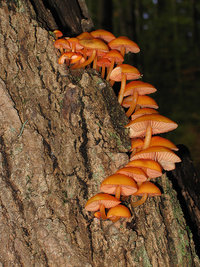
x=61 y=134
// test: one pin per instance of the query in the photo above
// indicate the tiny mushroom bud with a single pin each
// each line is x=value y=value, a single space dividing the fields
x=57 y=34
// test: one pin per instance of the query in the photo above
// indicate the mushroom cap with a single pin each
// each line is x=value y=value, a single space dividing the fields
x=158 y=123
x=130 y=72
x=141 y=87
x=128 y=44
x=70 y=55
x=143 y=101
x=148 y=188
x=143 y=111
x=58 y=33
x=136 y=173
x=161 y=141
x=103 y=62
x=93 y=204
x=151 y=167
x=62 y=43
x=118 y=211
x=94 y=44
x=137 y=143
x=163 y=155
x=103 y=34
x=73 y=41
x=114 y=54
x=126 y=183
x=85 y=35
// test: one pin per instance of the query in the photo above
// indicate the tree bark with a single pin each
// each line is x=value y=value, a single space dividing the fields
x=61 y=133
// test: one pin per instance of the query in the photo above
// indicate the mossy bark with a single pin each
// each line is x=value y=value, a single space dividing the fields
x=61 y=134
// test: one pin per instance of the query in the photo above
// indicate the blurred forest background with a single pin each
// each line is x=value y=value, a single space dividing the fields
x=168 y=33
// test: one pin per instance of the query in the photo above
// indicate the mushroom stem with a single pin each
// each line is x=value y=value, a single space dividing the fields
x=122 y=51
x=95 y=63
x=103 y=71
x=140 y=201
x=118 y=192
x=147 y=139
x=102 y=211
x=121 y=92
x=87 y=62
x=110 y=69
x=133 y=104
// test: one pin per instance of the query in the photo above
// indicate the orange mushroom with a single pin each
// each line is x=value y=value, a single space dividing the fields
x=124 y=45
x=62 y=44
x=117 y=212
x=143 y=111
x=57 y=34
x=118 y=184
x=106 y=36
x=97 y=47
x=136 y=173
x=146 y=189
x=103 y=63
x=101 y=201
x=122 y=73
x=163 y=155
x=149 y=124
x=115 y=57
x=136 y=88
x=151 y=167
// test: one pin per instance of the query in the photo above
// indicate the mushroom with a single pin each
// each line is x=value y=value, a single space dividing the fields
x=137 y=144
x=118 y=184
x=62 y=44
x=117 y=212
x=70 y=56
x=124 y=45
x=57 y=34
x=136 y=88
x=101 y=201
x=149 y=124
x=163 y=155
x=146 y=189
x=96 y=47
x=136 y=173
x=140 y=101
x=115 y=57
x=122 y=73
x=103 y=63
x=143 y=111
x=151 y=167
x=106 y=36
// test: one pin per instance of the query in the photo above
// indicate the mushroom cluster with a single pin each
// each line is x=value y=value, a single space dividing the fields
x=150 y=154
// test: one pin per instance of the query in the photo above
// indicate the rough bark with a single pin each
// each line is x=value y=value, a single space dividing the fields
x=61 y=134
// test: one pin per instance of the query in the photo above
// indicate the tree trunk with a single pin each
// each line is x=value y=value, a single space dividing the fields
x=61 y=134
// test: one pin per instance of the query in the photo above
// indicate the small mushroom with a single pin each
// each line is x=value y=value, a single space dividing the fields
x=136 y=173
x=163 y=155
x=124 y=45
x=122 y=73
x=146 y=189
x=117 y=212
x=101 y=201
x=151 y=167
x=119 y=184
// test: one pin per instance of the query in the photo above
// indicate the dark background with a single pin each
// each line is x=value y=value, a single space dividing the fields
x=168 y=33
